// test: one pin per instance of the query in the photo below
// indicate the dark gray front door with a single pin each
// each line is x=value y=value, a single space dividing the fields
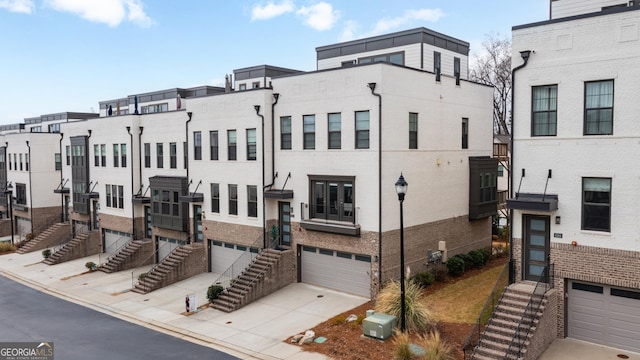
x=536 y=246
x=197 y=223
x=285 y=223
x=147 y=222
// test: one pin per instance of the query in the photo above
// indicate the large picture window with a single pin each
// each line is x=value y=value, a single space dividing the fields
x=544 y=105
x=332 y=198
x=598 y=108
x=596 y=204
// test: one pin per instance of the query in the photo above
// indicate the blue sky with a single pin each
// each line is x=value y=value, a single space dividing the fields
x=67 y=55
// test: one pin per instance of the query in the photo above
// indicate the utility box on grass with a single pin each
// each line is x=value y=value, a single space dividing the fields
x=379 y=326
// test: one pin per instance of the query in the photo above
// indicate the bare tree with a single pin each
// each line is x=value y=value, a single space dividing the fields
x=493 y=67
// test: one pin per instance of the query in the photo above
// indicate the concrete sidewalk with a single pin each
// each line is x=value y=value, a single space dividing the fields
x=256 y=331
x=571 y=349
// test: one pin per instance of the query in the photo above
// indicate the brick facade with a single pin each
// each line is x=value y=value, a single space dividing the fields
x=546 y=327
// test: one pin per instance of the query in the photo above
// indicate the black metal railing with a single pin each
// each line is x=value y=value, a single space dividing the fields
x=545 y=282
x=486 y=313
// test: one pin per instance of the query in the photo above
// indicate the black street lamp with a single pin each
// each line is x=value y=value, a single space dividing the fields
x=401 y=189
x=9 y=191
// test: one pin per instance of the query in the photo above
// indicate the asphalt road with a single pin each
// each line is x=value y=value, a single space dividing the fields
x=78 y=332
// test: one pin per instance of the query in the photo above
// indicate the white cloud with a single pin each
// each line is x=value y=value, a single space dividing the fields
x=320 y=16
x=271 y=10
x=431 y=15
x=348 y=33
x=110 y=12
x=19 y=6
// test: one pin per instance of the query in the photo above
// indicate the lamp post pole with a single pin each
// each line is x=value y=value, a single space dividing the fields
x=401 y=189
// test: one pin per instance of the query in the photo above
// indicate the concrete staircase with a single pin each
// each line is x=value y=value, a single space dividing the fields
x=243 y=289
x=66 y=249
x=117 y=261
x=497 y=336
x=45 y=238
x=164 y=273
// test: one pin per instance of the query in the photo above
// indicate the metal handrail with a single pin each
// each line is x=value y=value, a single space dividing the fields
x=544 y=283
x=242 y=262
x=486 y=314
x=114 y=253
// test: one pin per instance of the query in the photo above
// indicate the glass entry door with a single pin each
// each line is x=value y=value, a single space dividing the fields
x=536 y=246
x=197 y=223
x=285 y=223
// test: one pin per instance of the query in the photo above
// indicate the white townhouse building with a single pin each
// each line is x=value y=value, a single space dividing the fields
x=575 y=180
x=303 y=162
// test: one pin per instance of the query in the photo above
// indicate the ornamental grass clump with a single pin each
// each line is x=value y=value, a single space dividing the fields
x=435 y=348
x=417 y=314
x=401 y=348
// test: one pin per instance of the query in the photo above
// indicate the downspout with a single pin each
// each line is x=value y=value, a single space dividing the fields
x=30 y=187
x=61 y=180
x=372 y=86
x=86 y=154
x=264 y=218
x=186 y=140
x=525 y=56
x=133 y=214
x=273 y=142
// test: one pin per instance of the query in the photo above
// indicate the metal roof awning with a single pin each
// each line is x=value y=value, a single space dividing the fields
x=534 y=202
x=278 y=194
x=139 y=199
x=90 y=195
x=61 y=191
x=192 y=198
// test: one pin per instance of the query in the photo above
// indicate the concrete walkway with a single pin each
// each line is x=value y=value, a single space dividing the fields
x=571 y=349
x=256 y=331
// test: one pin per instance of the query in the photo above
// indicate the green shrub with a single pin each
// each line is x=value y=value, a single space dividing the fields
x=338 y=320
x=468 y=262
x=142 y=276
x=455 y=265
x=213 y=292
x=6 y=247
x=90 y=265
x=476 y=259
x=46 y=253
x=486 y=254
x=424 y=279
x=417 y=314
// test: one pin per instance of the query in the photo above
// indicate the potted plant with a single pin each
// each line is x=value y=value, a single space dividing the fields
x=46 y=253
x=91 y=266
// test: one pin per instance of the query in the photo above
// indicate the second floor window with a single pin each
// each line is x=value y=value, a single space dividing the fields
x=413 y=130
x=465 y=133
x=233 y=199
x=252 y=201
x=103 y=155
x=58 y=160
x=309 y=131
x=596 y=204
x=598 y=108
x=215 y=198
x=147 y=155
x=116 y=157
x=362 y=129
x=335 y=130
x=173 y=156
x=21 y=194
x=197 y=145
x=213 y=145
x=123 y=155
x=544 y=110
x=285 y=132
x=231 y=145
x=96 y=155
x=159 y=155
x=251 y=144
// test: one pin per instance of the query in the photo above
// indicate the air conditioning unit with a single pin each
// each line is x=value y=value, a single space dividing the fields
x=379 y=326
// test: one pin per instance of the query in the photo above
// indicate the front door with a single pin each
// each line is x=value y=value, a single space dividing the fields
x=197 y=223
x=536 y=246
x=96 y=217
x=284 y=223
x=66 y=209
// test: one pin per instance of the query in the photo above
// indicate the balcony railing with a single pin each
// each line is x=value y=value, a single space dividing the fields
x=500 y=150
x=502 y=197
x=335 y=218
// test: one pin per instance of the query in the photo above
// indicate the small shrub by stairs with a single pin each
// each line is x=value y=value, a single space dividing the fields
x=499 y=332
x=126 y=258
x=245 y=288
x=55 y=234
x=175 y=267
x=66 y=250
